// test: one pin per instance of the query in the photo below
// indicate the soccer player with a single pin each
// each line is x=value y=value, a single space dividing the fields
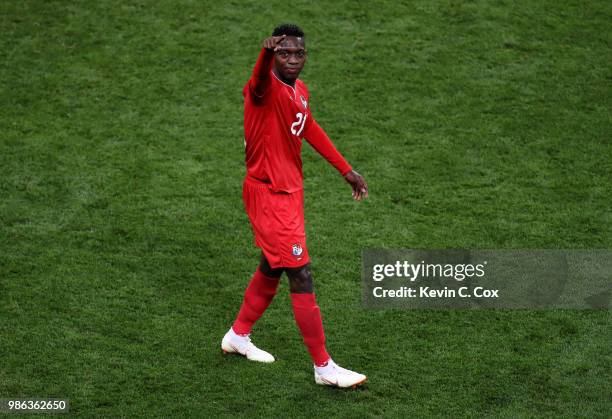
x=276 y=118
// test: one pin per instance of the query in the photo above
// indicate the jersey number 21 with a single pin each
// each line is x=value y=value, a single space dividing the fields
x=298 y=126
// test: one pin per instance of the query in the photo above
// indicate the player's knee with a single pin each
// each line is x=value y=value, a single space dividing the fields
x=300 y=280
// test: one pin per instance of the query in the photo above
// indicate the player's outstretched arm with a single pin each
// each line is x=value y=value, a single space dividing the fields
x=261 y=72
x=319 y=140
x=358 y=183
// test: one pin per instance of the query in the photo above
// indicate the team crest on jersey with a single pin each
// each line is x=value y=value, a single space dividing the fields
x=304 y=102
x=297 y=250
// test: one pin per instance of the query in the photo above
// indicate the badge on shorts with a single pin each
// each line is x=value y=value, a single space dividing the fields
x=297 y=250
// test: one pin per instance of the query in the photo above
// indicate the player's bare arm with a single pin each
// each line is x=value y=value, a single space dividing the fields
x=358 y=183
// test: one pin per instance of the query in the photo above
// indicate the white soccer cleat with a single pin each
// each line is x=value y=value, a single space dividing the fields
x=336 y=376
x=233 y=343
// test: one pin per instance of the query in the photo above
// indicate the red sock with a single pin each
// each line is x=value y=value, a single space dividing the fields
x=308 y=318
x=257 y=298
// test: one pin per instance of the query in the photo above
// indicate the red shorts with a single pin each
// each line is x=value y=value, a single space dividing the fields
x=278 y=223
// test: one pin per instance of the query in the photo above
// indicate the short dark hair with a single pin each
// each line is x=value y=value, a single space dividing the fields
x=288 y=29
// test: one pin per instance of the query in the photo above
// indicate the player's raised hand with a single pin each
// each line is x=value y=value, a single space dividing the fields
x=273 y=43
x=359 y=185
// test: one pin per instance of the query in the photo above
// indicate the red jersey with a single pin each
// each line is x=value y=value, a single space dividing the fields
x=276 y=119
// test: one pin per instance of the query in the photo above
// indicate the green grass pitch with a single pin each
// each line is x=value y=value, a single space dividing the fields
x=125 y=250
